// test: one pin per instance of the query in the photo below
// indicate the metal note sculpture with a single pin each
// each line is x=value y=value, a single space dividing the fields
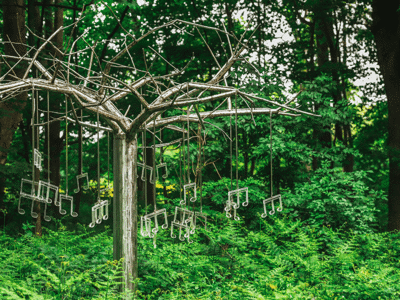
x=69 y=198
x=162 y=165
x=153 y=179
x=99 y=212
x=146 y=229
x=231 y=204
x=45 y=216
x=184 y=219
x=49 y=191
x=37 y=159
x=186 y=189
x=28 y=191
x=197 y=215
x=145 y=167
x=82 y=177
x=271 y=200
x=182 y=227
x=144 y=226
x=43 y=192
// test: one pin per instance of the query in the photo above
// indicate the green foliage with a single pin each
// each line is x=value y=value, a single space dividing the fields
x=61 y=265
x=334 y=198
x=328 y=248
x=282 y=259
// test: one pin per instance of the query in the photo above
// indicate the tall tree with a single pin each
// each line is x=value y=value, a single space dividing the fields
x=11 y=111
x=386 y=30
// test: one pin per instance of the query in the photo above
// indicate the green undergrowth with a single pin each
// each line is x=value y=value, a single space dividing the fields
x=282 y=259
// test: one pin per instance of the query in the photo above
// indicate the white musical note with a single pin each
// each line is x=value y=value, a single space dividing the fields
x=271 y=200
x=69 y=198
x=86 y=179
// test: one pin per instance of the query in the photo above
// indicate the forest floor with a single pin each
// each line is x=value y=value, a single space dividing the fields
x=282 y=259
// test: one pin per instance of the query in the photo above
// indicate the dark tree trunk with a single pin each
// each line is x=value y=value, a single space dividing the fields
x=322 y=135
x=386 y=30
x=348 y=164
x=33 y=22
x=253 y=166
x=11 y=110
x=25 y=141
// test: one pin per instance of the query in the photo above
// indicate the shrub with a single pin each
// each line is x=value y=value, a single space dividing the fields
x=334 y=198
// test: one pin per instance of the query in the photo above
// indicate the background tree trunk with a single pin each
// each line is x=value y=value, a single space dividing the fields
x=386 y=30
x=11 y=110
x=321 y=135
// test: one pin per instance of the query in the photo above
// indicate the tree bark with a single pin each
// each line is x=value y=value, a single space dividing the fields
x=11 y=110
x=125 y=207
x=33 y=22
x=386 y=30
x=322 y=135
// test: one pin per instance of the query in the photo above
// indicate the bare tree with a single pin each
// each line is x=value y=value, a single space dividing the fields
x=99 y=92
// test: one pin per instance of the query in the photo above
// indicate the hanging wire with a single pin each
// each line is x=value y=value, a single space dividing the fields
x=144 y=166
x=154 y=166
x=201 y=169
x=236 y=146
x=33 y=190
x=161 y=159
x=48 y=136
x=180 y=164
x=81 y=141
x=108 y=160
x=37 y=145
x=33 y=137
x=230 y=147
x=37 y=120
x=188 y=145
x=98 y=154
x=144 y=133
x=270 y=144
x=184 y=156
x=66 y=146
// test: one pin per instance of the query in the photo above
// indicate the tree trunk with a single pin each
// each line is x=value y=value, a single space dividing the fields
x=11 y=110
x=33 y=22
x=386 y=30
x=253 y=166
x=348 y=164
x=125 y=207
x=322 y=135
